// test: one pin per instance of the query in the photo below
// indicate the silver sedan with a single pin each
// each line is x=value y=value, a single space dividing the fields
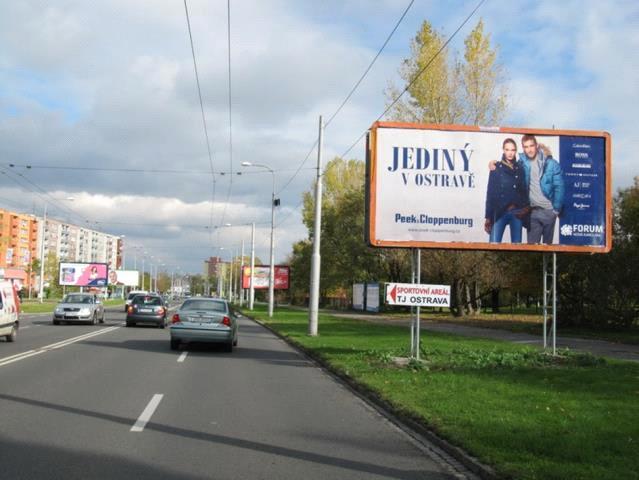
x=208 y=320
x=79 y=307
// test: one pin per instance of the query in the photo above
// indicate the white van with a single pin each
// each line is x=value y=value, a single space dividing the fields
x=9 y=310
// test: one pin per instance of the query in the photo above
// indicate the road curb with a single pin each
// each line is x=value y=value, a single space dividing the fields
x=394 y=414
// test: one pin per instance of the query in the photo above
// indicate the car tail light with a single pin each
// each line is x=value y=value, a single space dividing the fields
x=175 y=319
x=130 y=309
x=161 y=310
x=226 y=321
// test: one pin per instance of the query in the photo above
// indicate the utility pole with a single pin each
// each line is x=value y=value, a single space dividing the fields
x=251 y=287
x=313 y=308
x=241 y=275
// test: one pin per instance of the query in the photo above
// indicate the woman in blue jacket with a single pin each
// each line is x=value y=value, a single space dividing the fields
x=507 y=201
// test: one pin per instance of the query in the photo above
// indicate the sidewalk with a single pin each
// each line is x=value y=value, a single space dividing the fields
x=600 y=348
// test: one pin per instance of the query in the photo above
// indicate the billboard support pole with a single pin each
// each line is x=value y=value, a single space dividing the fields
x=545 y=296
x=412 y=309
x=554 y=303
x=417 y=319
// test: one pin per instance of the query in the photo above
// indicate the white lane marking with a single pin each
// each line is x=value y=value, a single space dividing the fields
x=182 y=357
x=146 y=415
x=53 y=346
x=24 y=328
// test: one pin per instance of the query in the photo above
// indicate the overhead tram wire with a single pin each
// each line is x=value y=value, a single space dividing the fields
x=228 y=192
x=350 y=94
x=199 y=92
x=418 y=75
x=32 y=187
x=139 y=170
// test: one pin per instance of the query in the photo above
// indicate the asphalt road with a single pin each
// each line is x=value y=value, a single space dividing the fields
x=90 y=402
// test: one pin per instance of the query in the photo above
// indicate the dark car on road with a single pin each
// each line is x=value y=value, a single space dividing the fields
x=146 y=309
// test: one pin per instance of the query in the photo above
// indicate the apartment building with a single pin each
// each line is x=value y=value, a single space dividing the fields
x=72 y=243
x=18 y=246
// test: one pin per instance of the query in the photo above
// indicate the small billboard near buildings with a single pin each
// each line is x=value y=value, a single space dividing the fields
x=261 y=274
x=415 y=295
x=84 y=274
x=498 y=188
x=128 y=278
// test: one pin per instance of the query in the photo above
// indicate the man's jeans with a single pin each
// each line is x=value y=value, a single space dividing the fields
x=542 y=225
x=511 y=220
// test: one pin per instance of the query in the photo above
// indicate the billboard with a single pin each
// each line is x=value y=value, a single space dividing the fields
x=497 y=188
x=84 y=274
x=260 y=277
x=128 y=278
x=358 y=296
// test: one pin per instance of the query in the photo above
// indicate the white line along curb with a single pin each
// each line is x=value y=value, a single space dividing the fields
x=53 y=346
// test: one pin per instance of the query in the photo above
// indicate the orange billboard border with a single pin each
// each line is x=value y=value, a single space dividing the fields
x=372 y=196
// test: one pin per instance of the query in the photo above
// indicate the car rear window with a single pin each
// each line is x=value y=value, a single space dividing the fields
x=146 y=300
x=132 y=295
x=77 y=299
x=204 y=305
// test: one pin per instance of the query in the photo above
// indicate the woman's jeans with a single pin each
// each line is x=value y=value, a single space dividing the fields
x=507 y=219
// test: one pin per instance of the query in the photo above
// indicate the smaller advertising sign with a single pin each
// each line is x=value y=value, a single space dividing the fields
x=415 y=295
x=358 y=296
x=372 y=297
x=261 y=274
x=84 y=274
x=128 y=278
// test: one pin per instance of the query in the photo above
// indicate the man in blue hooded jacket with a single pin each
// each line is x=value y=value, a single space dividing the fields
x=545 y=181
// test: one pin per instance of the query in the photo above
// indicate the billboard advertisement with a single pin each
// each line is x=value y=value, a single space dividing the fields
x=358 y=296
x=84 y=274
x=260 y=277
x=128 y=278
x=497 y=188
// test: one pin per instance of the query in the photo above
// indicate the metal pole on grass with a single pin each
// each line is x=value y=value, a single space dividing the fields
x=545 y=295
x=316 y=262
x=554 y=303
x=251 y=286
x=417 y=319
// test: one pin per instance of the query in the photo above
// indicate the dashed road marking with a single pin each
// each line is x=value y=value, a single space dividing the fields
x=148 y=412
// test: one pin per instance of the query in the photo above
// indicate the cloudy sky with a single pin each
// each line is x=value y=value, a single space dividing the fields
x=110 y=84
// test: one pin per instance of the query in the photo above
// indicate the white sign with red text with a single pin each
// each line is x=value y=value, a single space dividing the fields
x=415 y=295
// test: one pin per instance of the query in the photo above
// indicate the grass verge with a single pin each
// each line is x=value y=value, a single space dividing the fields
x=525 y=413
x=34 y=306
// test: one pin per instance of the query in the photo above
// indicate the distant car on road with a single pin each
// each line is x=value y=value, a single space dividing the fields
x=132 y=295
x=202 y=319
x=149 y=308
x=79 y=307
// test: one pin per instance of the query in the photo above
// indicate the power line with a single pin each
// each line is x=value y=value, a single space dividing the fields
x=141 y=170
x=410 y=4
x=199 y=92
x=298 y=169
x=228 y=192
x=350 y=94
x=418 y=74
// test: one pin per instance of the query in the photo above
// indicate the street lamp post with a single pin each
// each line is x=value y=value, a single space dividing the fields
x=42 y=259
x=271 y=277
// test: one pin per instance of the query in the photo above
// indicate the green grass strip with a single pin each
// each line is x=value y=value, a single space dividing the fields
x=527 y=414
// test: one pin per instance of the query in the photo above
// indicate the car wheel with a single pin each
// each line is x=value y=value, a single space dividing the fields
x=102 y=319
x=235 y=342
x=56 y=322
x=129 y=324
x=175 y=344
x=14 y=333
x=228 y=347
x=95 y=318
